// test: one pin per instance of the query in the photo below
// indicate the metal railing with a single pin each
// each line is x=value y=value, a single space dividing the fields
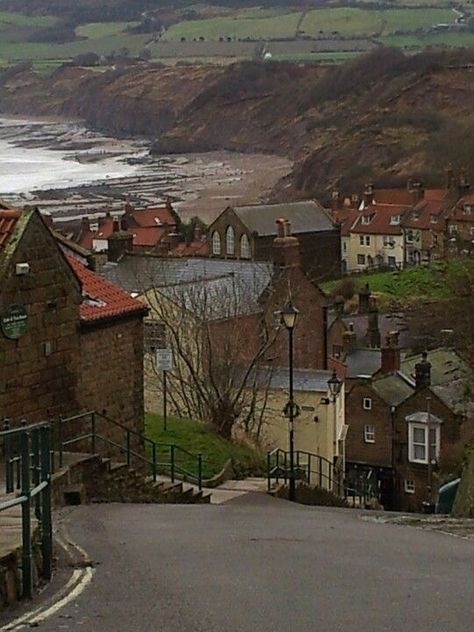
x=317 y=471
x=27 y=456
x=159 y=458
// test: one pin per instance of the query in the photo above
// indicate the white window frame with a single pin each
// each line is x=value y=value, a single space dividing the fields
x=395 y=219
x=367 y=403
x=244 y=247
x=361 y=240
x=216 y=243
x=230 y=241
x=358 y=262
x=411 y=442
x=369 y=433
x=409 y=486
x=367 y=240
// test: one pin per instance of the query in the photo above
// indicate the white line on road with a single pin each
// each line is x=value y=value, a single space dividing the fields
x=77 y=583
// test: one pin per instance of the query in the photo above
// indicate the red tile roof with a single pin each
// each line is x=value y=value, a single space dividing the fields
x=461 y=214
x=427 y=215
x=147 y=237
x=380 y=223
x=191 y=249
x=102 y=299
x=147 y=226
x=8 y=219
x=152 y=217
x=346 y=217
x=394 y=196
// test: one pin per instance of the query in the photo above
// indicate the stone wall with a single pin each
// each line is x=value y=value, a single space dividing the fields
x=38 y=371
x=111 y=372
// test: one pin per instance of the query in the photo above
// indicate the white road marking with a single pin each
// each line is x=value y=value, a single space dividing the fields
x=76 y=584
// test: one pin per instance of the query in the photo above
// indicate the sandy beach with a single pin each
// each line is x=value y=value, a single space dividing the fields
x=71 y=171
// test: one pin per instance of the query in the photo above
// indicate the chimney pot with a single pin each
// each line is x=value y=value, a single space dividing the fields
x=286 y=250
x=390 y=354
x=364 y=295
x=423 y=372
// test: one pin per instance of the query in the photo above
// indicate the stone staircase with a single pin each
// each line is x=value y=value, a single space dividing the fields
x=93 y=478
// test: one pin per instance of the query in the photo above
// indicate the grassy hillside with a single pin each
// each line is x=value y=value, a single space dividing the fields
x=412 y=286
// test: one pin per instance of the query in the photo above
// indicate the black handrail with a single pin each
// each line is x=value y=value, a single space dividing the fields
x=171 y=466
x=332 y=479
x=28 y=459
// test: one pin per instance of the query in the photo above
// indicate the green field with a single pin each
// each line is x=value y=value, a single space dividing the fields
x=255 y=23
x=8 y=19
x=348 y=21
x=98 y=30
x=16 y=51
x=397 y=26
x=316 y=57
x=197 y=437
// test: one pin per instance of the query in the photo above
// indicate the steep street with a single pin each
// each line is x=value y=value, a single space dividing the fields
x=260 y=564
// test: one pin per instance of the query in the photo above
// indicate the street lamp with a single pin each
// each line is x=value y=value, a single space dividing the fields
x=289 y=316
x=335 y=385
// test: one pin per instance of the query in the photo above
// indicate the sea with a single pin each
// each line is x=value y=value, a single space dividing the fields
x=32 y=156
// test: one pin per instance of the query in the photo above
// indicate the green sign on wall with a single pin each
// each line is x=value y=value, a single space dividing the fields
x=14 y=321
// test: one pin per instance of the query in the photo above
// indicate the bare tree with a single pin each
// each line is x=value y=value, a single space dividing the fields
x=221 y=338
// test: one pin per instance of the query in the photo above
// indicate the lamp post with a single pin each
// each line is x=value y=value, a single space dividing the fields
x=289 y=316
x=335 y=385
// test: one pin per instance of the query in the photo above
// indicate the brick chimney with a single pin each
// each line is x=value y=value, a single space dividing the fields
x=422 y=372
x=418 y=191
x=339 y=305
x=368 y=194
x=390 y=354
x=286 y=247
x=364 y=295
x=448 y=176
x=335 y=200
x=464 y=185
x=349 y=339
x=373 y=331
x=119 y=242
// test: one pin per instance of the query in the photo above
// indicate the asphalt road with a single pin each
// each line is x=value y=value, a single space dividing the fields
x=264 y=565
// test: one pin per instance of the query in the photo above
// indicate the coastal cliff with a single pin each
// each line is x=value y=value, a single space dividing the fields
x=384 y=117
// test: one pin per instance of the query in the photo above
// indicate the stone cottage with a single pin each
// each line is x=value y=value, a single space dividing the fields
x=70 y=340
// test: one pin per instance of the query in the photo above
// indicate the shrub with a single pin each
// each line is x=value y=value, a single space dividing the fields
x=346 y=288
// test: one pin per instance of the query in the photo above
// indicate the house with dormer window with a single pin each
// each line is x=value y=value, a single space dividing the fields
x=376 y=237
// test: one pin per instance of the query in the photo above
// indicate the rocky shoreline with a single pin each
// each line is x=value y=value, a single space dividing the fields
x=199 y=184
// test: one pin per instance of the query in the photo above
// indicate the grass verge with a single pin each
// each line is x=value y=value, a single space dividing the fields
x=197 y=437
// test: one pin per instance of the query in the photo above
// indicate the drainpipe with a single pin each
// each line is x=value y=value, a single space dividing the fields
x=325 y=338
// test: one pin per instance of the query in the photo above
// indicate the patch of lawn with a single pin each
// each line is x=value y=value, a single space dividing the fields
x=410 y=286
x=197 y=437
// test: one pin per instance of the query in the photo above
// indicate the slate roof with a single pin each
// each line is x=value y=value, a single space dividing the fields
x=363 y=362
x=304 y=380
x=138 y=273
x=450 y=380
x=217 y=298
x=387 y=323
x=305 y=217
x=101 y=299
